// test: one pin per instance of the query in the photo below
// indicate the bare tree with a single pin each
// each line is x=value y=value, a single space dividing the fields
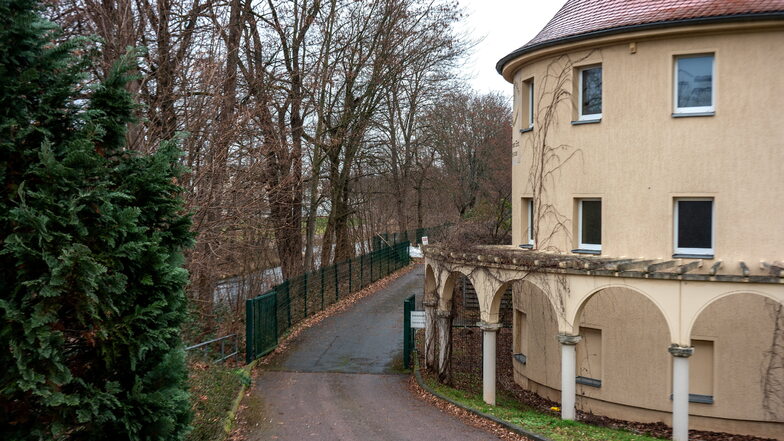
x=472 y=135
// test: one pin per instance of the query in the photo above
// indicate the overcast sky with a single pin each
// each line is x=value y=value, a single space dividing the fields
x=505 y=25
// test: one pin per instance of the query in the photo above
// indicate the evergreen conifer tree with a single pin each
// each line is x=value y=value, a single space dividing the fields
x=91 y=240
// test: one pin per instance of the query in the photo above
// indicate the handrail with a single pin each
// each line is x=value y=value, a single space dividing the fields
x=224 y=357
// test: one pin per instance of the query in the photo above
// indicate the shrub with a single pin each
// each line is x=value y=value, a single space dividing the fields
x=91 y=236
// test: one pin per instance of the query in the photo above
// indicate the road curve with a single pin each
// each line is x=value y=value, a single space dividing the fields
x=337 y=381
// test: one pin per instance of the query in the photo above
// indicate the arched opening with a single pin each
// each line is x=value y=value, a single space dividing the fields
x=535 y=353
x=623 y=369
x=446 y=292
x=466 y=354
x=737 y=369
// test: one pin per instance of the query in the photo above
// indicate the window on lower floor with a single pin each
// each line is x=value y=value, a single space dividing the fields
x=694 y=226
x=521 y=334
x=589 y=357
x=701 y=371
x=589 y=214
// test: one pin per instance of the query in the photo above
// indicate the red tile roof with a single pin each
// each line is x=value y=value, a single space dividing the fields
x=586 y=18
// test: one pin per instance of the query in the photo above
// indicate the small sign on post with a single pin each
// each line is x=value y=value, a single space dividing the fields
x=418 y=319
x=424 y=240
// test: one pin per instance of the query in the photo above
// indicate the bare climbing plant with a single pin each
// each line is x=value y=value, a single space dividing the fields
x=547 y=156
x=773 y=365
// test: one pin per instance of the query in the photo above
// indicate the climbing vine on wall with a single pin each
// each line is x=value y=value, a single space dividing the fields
x=773 y=365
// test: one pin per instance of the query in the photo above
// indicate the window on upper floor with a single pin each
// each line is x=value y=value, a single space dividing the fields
x=528 y=104
x=694 y=91
x=589 y=222
x=528 y=215
x=694 y=226
x=531 y=102
x=590 y=93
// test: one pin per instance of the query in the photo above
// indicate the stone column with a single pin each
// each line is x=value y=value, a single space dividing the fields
x=444 y=346
x=430 y=334
x=680 y=391
x=489 y=331
x=568 y=374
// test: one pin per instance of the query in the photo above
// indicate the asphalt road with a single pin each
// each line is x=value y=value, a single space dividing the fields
x=338 y=381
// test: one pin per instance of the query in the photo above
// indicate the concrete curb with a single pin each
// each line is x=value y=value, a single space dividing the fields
x=512 y=427
x=231 y=415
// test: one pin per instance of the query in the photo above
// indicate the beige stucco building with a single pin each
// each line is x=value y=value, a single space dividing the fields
x=648 y=235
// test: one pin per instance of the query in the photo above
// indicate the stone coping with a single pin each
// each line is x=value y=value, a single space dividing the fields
x=518 y=259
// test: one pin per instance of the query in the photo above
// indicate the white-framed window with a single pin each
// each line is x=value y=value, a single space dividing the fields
x=694 y=83
x=589 y=215
x=530 y=221
x=530 y=103
x=527 y=100
x=694 y=226
x=590 y=93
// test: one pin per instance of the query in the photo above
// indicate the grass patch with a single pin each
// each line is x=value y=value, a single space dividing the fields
x=549 y=426
x=213 y=388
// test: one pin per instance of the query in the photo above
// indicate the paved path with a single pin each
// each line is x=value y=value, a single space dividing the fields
x=337 y=381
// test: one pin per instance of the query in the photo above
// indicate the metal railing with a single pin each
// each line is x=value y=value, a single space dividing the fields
x=271 y=314
x=206 y=345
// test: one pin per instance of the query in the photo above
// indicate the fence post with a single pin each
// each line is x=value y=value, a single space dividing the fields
x=249 y=355
x=305 y=291
x=275 y=315
x=322 y=288
x=337 y=283
x=408 y=306
x=371 y=266
x=288 y=302
x=350 y=285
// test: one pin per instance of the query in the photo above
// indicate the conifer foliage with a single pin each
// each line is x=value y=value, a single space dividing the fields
x=91 y=235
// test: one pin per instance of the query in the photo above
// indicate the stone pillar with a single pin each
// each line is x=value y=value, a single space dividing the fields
x=568 y=374
x=444 y=346
x=680 y=391
x=430 y=334
x=489 y=331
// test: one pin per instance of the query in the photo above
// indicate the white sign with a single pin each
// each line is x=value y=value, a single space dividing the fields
x=424 y=240
x=418 y=319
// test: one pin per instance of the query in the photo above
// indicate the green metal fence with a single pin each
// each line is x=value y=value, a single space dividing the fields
x=269 y=315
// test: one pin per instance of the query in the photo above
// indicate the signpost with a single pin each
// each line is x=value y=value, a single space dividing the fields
x=424 y=240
